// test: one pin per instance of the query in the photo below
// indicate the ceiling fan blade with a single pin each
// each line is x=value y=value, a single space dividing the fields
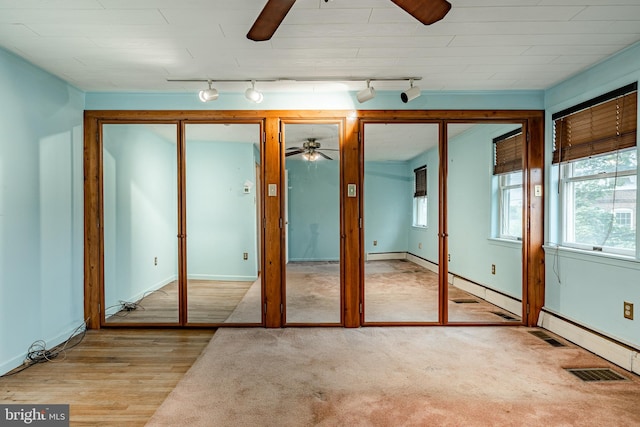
x=293 y=153
x=295 y=148
x=324 y=155
x=425 y=11
x=269 y=19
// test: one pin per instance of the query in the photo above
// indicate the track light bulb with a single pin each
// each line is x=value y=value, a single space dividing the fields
x=253 y=95
x=207 y=95
x=410 y=94
x=366 y=94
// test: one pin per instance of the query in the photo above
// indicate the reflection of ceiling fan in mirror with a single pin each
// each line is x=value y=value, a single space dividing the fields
x=310 y=150
x=425 y=11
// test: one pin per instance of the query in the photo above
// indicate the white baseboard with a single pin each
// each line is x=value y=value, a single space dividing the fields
x=618 y=353
x=423 y=263
x=505 y=302
x=381 y=256
x=222 y=278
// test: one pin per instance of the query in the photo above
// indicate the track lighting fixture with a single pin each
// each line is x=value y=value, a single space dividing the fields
x=410 y=94
x=366 y=94
x=207 y=95
x=252 y=94
x=256 y=96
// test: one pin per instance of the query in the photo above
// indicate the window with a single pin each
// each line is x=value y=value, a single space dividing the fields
x=420 y=197
x=624 y=218
x=599 y=200
x=507 y=170
x=510 y=213
x=595 y=147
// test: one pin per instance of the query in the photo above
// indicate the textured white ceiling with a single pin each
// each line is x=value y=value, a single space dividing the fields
x=136 y=45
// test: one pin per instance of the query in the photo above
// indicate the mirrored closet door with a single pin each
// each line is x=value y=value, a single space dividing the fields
x=312 y=291
x=401 y=164
x=485 y=222
x=140 y=199
x=223 y=222
x=182 y=224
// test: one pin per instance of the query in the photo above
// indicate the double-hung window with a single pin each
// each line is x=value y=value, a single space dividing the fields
x=420 y=197
x=507 y=169
x=595 y=148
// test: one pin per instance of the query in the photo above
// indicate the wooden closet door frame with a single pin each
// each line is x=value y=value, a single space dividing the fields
x=272 y=236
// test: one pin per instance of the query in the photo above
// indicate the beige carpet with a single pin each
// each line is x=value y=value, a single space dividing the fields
x=457 y=376
x=313 y=292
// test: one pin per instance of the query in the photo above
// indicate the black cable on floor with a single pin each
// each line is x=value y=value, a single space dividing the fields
x=39 y=353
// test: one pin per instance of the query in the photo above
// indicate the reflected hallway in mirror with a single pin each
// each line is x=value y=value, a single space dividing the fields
x=223 y=223
x=312 y=223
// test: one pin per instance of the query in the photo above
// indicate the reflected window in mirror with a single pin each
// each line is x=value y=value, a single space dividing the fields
x=420 y=218
x=507 y=171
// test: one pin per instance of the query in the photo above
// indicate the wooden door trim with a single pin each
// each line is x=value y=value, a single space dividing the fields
x=533 y=255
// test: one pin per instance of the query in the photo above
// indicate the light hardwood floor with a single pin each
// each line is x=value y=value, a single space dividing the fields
x=209 y=301
x=113 y=377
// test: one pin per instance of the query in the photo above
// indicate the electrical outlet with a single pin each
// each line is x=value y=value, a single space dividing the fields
x=628 y=310
x=155 y=261
x=449 y=257
x=375 y=243
x=419 y=245
x=493 y=269
x=245 y=256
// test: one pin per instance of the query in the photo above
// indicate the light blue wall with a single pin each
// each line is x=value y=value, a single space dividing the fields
x=589 y=289
x=470 y=205
x=388 y=189
x=314 y=210
x=221 y=218
x=140 y=215
x=515 y=100
x=41 y=210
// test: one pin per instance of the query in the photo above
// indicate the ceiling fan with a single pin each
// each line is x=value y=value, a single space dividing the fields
x=425 y=11
x=310 y=150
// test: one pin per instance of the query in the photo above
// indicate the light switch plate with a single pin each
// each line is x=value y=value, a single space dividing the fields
x=537 y=190
x=273 y=190
x=351 y=190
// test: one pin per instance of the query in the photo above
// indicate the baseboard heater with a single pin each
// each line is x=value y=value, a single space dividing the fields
x=606 y=347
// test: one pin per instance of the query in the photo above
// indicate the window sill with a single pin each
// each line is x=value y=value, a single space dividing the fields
x=593 y=256
x=510 y=243
x=420 y=227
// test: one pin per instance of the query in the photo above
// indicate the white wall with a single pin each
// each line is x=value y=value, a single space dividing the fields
x=41 y=210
